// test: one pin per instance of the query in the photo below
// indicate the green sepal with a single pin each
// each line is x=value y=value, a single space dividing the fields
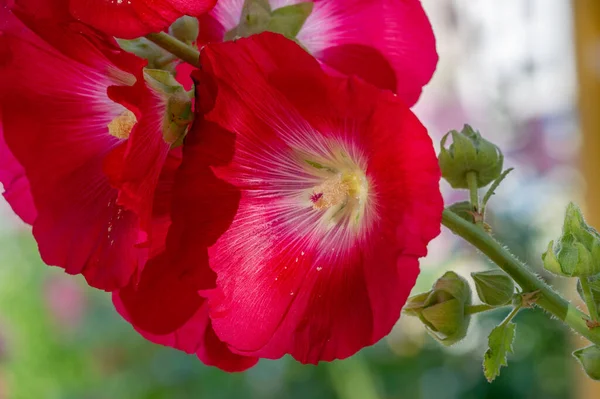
x=289 y=20
x=257 y=16
x=464 y=209
x=589 y=358
x=494 y=287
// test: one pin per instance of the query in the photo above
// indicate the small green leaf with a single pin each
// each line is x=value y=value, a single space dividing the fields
x=500 y=345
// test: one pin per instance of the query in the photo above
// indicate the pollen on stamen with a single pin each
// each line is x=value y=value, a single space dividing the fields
x=122 y=125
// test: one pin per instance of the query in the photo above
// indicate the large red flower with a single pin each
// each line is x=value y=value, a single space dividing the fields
x=388 y=43
x=86 y=129
x=311 y=197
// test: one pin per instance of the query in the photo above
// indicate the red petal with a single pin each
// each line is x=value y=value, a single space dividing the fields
x=195 y=336
x=51 y=21
x=338 y=32
x=129 y=19
x=286 y=284
x=388 y=43
x=165 y=299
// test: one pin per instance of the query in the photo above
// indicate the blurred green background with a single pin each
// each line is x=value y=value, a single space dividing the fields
x=60 y=339
x=509 y=68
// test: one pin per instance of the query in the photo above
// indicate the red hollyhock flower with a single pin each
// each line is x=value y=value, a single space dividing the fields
x=388 y=43
x=338 y=198
x=311 y=197
x=87 y=131
x=127 y=19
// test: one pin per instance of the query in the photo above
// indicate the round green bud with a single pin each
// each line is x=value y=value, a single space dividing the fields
x=469 y=152
x=442 y=309
x=185 y=29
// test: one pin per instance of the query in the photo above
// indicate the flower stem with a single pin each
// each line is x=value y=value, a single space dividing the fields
x=474 y=197
x=548 y=299
x=589 y=298
x=511 y=315
x=176 y=47
x=473 y=194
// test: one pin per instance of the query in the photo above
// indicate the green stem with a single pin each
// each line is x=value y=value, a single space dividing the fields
x=511 y=315
x=474 y=197
x=589 y=298
x=176 y=47
x=474 y=309
x=548 y=299
x=473 y=194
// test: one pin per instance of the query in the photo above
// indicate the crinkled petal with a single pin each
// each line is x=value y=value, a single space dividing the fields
x=129 y=19
x=289 y=281
x=388 y=43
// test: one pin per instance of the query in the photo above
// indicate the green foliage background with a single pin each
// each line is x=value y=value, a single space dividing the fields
x=99 y=356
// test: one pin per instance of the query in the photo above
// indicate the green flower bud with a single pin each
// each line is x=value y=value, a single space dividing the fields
x=469 y=152
x=442 y=309
x=494 y=287
x=577 y=252
x=185 y=29
x=589 y=358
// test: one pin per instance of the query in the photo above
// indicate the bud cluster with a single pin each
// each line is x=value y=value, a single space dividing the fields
x=576 y=253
